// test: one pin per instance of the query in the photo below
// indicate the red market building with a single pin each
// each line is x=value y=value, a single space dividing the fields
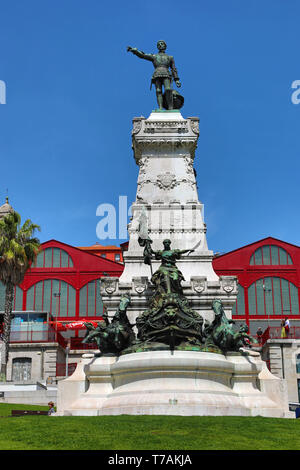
x=62 y=289
x=65 y=282
x=268 y=273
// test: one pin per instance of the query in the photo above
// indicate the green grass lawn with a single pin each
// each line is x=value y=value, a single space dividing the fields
x=145 y=432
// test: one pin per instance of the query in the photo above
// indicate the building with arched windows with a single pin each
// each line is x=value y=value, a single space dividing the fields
x=268 y=273
x=60 y=290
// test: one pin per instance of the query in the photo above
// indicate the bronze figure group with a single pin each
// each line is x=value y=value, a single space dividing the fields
x=169 y=322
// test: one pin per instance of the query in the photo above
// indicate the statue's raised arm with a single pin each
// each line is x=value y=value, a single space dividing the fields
x=140 y=54
x=164 y=74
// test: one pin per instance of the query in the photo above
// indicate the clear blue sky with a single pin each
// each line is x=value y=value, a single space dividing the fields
x=72 y=91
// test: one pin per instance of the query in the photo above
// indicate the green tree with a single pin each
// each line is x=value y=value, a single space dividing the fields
x=18 y=250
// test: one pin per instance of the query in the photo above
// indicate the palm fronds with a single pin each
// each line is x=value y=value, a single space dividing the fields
x=18 y=250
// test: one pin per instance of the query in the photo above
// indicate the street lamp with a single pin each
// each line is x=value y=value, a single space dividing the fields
x=266 y=290
x=57 y=296
x=67 y=359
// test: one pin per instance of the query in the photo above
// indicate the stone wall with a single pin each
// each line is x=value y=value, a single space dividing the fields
x=282 y=354
x=30 y=397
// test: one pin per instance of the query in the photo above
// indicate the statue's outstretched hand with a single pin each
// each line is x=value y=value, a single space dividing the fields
x=129 y=49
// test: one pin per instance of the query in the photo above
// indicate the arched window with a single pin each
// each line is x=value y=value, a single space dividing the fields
x=53 y=258
x=54 y=296
x=239 y=306
x=18 y=298
x=270 y=255
x=90 y=301
x=273 y=296
x=21 y=369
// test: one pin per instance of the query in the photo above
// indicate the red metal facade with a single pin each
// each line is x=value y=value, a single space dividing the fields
x=86 y=267
x=238 y=263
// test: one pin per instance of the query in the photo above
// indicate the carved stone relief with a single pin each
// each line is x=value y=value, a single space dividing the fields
x=109 y=285
x=137 y=126
x=195 y=126
x=140 y=284
x=166 y=181
x=199 y=284
x=228 y=283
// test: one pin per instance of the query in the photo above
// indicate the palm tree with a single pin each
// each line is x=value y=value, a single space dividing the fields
x=18 y=249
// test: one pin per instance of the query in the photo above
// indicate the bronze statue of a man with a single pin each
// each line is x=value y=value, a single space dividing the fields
x=162 y=76
x=168 y=277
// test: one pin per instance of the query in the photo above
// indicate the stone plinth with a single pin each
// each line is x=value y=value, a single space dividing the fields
x=182 y=383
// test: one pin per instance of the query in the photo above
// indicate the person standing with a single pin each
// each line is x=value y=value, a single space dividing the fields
x=51 y=410
x=259 y=334
x=283 y=332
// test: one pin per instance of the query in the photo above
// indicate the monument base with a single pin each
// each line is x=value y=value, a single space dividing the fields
x=184 y=383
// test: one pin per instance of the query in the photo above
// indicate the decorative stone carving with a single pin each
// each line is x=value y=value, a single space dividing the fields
x=137 y=125
x=187 y=181
x=109 y=285
x=166 y=181
x=143 y=162
x=153 y=127
x=199 y=284
x=159 y=144
x=140 y=284
x=195 y=125
x=189 y=164
x=228 y=283
x=143 y=182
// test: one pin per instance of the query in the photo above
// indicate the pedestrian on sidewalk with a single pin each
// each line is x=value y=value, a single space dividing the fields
x=259 y=335
x=287 y=326
x=283 y=332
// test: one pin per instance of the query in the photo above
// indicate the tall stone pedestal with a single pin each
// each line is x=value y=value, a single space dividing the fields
x=167 y=199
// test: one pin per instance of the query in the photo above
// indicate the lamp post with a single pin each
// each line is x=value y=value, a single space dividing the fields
x=67 y=358
x=57 y=296
x=267 y=311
